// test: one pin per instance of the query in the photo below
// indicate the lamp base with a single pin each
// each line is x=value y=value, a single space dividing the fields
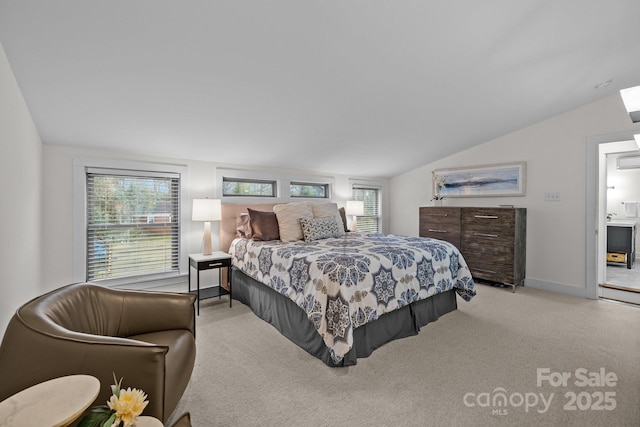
x=354 y=224
x=206 y=239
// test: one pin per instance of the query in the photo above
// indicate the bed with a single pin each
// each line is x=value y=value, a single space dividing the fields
x=339 y=297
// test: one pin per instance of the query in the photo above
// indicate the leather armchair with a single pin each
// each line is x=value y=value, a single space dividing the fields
x=147 y=338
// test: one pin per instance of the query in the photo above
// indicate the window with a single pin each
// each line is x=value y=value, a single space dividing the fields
x=133 y=223
x=304 y=189
x=248 y=187
x=370 y=221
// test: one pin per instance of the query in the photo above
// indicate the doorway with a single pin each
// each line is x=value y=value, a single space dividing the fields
x=617 y=222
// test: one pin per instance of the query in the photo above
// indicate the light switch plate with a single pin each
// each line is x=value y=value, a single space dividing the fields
x=552 y=197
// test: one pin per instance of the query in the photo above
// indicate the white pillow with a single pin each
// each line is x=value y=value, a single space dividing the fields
x=323 y=209
x=289 y=215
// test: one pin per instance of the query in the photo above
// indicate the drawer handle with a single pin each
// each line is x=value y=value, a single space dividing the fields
x=438 y=231
x=484 y=271
x=436 y=214
x=487 y=216
x=485 y=235
x=217 y=264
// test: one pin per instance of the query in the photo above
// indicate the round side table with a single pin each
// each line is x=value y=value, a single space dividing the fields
x=57 y=402
x=146 y=421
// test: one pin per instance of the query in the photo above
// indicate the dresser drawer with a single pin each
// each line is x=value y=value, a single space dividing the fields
x=487 y=250
x=496 y=227
x=441 y=223
x=491 y=229
x=451 y=236
x=482 y=219
x=489 y=269
x=440 y=215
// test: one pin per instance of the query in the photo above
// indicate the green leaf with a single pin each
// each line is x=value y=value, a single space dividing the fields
x=109 y=422
x=115 y=389
x=94 y=419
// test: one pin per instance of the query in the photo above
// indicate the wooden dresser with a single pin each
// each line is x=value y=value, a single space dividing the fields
x=491 y=240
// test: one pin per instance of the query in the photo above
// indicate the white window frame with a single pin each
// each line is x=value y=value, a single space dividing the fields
x=311 y=184
x=80 y=166
x=272 y=182
x=375 y=186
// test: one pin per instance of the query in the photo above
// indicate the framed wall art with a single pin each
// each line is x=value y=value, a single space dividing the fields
x=506 y=179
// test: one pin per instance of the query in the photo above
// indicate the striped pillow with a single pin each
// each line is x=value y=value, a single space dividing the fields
x=288 y=216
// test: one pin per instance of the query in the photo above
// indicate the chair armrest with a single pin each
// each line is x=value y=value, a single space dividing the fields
x=142 y=365
x=144 y=312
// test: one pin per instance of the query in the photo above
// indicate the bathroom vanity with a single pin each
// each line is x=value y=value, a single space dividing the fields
x=621 y=242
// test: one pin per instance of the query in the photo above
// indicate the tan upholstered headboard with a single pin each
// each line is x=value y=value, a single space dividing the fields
x=230 y=213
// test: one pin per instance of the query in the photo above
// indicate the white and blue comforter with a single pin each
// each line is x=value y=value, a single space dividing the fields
x=343 y=283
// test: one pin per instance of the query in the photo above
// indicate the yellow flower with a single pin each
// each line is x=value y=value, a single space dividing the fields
x=128 y=406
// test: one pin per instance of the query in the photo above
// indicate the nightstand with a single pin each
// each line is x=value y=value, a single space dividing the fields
x=199 y=262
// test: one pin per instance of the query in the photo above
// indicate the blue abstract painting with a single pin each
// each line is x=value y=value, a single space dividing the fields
x=490 y=180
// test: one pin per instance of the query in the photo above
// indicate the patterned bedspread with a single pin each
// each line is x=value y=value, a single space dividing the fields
x=343 y=283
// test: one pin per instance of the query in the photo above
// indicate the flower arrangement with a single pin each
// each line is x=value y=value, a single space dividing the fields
x=439 y=185
x=122 y=408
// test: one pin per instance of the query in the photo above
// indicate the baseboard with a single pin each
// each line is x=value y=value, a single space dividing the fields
x=556 y=287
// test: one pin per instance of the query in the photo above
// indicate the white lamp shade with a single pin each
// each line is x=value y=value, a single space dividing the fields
x=637 y=138
x=354 y=207
x=631 y=100
x=206 y=210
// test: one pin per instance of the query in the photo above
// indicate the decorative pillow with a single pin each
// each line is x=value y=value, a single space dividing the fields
x=320 y=228
x=343 y=218
x=289 y=215
x=264 y=225
x=243 y=226
x=323 y=209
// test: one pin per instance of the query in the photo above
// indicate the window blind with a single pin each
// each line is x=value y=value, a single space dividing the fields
x=133 y=225
x=370 y=221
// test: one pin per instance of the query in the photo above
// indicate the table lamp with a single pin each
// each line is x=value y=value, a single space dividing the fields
x=354 y=208
x=206 y=210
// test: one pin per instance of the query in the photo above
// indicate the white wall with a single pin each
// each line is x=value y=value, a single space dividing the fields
x=20 y=172
x=57 y=263
x=555 y=152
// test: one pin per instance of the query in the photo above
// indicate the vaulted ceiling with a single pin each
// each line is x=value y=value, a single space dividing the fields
x=359 y=87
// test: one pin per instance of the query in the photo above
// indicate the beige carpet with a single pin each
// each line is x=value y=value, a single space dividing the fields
x=247 y=374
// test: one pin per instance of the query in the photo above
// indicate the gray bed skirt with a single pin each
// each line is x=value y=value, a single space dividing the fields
x=292 y=321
